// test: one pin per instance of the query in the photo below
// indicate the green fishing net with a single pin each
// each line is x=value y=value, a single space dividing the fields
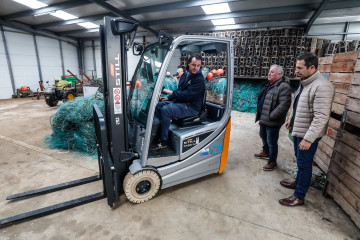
x=73 y=125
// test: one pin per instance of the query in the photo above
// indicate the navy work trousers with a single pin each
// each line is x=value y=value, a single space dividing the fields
x=304 y=159
x=270 y=137
x=168 y=110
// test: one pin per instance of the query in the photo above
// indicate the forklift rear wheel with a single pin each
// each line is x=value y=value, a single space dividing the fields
x=142 y=186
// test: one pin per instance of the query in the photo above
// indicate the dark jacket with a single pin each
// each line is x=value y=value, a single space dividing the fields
x=190 y=90
x=276 y=104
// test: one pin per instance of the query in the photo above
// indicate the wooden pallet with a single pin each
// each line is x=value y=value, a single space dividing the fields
x=338 y=153
x=344 y=174
x=326 y=145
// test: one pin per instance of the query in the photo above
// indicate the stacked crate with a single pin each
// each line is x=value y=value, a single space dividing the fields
x=326 y=145
x=256 y=50
x=343 y=174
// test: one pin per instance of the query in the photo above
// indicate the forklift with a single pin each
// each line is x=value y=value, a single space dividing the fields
x=198 y=146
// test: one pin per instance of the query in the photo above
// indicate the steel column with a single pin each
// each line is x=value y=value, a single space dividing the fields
x=347 y=24
x=8 y=60
x=94 y=58
x=38 y=59
x=62 y=57
x=80 y=51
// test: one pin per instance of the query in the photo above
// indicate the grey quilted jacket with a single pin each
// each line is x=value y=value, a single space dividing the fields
x=313 y=108
x=276 y=104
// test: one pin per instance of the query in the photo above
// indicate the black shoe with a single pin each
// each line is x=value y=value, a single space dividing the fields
x=159 y=144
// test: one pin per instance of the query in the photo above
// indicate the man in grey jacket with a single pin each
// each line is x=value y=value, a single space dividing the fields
x=273 y=103
x=309 y=119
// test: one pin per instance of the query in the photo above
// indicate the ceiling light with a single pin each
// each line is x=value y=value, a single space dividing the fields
x=224 y=21
x=44 y=13
x=63 y=15
x=34 y=4
x=216 y=8
x=88 y=25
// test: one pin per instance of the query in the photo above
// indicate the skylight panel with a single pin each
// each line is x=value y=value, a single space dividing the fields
x=63 y=15
x=216 y=8
x=88 y=25
x=34 y=4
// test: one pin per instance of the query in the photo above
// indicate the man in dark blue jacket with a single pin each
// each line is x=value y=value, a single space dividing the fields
x=186 y=101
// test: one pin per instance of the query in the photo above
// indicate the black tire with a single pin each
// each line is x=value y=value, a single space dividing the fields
x=51 y=103
x=142 y=186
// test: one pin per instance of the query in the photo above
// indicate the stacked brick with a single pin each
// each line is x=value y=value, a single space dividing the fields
x=341 y=160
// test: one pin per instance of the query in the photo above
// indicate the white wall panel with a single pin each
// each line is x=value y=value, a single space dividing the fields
x=354 y=28
x=23 y=60
x=88 y=57
x=50 y=60
x=328 y=28
x=70 y=58
x=5 y=82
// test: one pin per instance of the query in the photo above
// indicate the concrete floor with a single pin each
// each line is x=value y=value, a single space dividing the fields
x=241 y=203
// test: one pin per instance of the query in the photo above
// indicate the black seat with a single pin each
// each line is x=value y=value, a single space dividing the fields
x=202 y=117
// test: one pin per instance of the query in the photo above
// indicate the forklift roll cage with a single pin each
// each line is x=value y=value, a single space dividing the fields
x=123 y=145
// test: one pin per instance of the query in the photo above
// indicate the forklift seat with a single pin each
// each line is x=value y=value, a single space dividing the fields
x=202 y=117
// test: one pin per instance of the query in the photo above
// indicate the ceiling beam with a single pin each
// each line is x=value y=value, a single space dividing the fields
x=122 y=14
x=79 y=31
x=259 y=12
x=244 y=26
x=238 y=14
x=342 y=4
x=73 y=21
x=175 y=6
x=185 y=4
x=27 y=28
x=135 y=11
x=50 y=8
x=315 y=16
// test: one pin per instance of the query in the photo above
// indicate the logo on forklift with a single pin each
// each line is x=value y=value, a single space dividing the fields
x=117 y=100
x=117 y=70
x=216 y=148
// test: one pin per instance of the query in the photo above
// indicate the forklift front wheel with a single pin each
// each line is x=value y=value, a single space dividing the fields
x=142 y=186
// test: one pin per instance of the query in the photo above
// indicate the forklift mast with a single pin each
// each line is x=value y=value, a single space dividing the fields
x=115 y=35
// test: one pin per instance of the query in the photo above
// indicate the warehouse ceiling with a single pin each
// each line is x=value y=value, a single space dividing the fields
x=172 y=16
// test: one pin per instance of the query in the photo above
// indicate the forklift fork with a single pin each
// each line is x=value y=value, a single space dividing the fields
x=106 y=172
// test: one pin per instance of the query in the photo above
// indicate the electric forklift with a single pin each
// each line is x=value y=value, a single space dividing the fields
x=198 y=146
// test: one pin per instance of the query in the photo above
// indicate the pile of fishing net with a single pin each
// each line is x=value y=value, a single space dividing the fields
x=73 y=125
x=245 y=93
x=143 y=94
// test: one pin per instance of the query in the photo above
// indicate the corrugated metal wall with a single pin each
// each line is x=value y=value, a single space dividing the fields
x=50 y=60
x=24 y=64
x=23 y=59
x=5 y=81
x=89 y=59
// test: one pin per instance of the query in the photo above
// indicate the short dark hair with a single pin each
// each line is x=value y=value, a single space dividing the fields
x=196 y=56
x=309 y=59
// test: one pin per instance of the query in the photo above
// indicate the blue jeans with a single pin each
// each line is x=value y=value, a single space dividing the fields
x=304 y=159
x=270 y=137
x=168 y=110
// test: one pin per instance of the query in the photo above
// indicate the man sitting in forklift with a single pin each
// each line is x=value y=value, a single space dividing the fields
x=184 y=102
